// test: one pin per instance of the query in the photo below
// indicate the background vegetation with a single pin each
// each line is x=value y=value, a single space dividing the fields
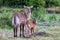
x=7 y=7
x=51 y=27
x=35 y=3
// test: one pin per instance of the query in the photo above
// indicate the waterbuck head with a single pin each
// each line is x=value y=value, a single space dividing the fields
x=34 y=20
x=27 y=10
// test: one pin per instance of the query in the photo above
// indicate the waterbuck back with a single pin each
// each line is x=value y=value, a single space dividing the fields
x=21 y=16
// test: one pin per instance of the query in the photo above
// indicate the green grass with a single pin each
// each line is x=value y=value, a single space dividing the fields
x=7 y=12
x=5 y=16
x=48 y=15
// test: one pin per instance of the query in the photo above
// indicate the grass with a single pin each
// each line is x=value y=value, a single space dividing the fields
x=7 y=12
x=55 y=35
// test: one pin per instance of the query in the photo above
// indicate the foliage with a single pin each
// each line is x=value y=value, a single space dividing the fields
x=35 y=3
x=6 y=14
x=50 y=3
x=39 y=14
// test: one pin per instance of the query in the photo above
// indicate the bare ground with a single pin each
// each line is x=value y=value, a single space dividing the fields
x=52 y=34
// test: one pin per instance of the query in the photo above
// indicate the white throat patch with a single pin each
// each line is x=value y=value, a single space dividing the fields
x=29 y=16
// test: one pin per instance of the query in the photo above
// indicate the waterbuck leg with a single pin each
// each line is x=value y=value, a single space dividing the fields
x=15 y=31
x=23 y=30
x=20 y=30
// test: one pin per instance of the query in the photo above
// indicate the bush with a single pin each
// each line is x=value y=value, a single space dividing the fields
x=39 y=14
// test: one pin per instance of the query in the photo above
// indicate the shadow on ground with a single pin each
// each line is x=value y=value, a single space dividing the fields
x=41 y=34
x=44 y=34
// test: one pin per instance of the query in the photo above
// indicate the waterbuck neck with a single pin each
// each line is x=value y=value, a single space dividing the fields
x=28 y=12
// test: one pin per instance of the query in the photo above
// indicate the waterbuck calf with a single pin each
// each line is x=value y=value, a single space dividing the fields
x=31 y=25
x=20 y=18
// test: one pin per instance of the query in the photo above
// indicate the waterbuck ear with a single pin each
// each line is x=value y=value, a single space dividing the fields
x=24 y=6
x=31 y=6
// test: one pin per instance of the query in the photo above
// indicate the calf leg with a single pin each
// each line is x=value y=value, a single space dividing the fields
x=31 y=31
x=34 y=32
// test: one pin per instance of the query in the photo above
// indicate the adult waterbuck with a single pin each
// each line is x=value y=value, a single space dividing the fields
x=19 y=19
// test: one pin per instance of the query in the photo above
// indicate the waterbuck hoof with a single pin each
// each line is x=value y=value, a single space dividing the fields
x=23 y=36
x=20 y=35
x=15 y=35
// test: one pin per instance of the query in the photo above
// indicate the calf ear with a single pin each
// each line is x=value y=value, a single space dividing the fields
x=31 y=6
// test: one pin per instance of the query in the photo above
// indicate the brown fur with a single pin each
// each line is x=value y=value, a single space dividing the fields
x=23 y=16
x=31 y=25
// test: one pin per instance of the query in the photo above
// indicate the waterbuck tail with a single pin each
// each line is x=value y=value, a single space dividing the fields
x=14 y=20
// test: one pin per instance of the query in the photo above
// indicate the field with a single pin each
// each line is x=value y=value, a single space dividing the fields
x=42 y=34
x=49 y=32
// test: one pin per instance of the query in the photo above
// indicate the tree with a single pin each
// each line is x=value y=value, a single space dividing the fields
x=1 y=2
x=50 y=3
